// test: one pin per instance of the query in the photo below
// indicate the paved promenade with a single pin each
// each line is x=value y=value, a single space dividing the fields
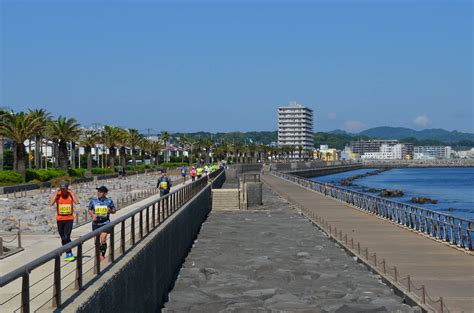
x=445 y=271
x=274 y=260
x=36 y=245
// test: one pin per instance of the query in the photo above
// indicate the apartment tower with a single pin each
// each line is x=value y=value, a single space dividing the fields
x=295 y=127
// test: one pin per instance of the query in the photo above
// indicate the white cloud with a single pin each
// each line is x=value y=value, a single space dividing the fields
x=422 y=120
x=353 y=125
x=332 y=116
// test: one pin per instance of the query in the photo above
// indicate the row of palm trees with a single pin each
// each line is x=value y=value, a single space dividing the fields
x=66 y=136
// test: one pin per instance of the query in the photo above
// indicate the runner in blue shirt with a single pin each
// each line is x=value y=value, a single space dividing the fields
x=184 y=171
x=100 y=209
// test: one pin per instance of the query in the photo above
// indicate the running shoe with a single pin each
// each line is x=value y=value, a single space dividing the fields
x=69 y=257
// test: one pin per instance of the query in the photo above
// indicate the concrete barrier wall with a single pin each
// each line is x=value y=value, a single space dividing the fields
x=141 y=280
x=324 y=171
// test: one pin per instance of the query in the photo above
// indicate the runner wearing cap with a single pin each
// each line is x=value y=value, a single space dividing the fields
x=164 y=183
x=65 y=199
x=100 y=209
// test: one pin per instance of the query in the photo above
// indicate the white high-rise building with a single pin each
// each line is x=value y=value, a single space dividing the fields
x=295 y=127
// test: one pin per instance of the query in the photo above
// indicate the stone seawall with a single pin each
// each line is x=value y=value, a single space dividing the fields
x=313 y=172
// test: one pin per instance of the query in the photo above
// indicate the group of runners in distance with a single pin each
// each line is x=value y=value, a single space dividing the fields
x=101 y=206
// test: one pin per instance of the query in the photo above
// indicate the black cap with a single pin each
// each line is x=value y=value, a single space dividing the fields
x=102 y=189
x=64 y=185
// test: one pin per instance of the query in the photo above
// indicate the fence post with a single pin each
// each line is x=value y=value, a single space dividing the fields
x=1 y=246
x=441 y=304
x=57 y=282
x=97 y=255
x=79 y=267
x=141 y=224
x=122 y=238
x=396 y=273
x=132 y=231
x=19 y=234
x=25 y=293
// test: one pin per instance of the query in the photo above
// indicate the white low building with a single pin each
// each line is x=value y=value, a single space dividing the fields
x=387 y=152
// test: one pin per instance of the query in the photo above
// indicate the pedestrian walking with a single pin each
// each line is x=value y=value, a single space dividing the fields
x=65 y=199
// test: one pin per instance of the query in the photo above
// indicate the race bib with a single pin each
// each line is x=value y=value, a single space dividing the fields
x=65 y=209
x=164 y=185
x=101 y=210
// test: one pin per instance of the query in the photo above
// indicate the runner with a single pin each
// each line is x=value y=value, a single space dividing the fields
x=100 y=209
x=164 y=183
x=65 y=199
x=184 y=171
x=199 y=171
x=193 y=173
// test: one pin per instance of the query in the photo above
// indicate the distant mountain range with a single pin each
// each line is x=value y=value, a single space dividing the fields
x=340 y=138
x=399 y=133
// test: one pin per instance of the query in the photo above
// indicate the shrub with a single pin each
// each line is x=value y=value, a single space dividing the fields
x=173 y=164
x=10 y=177
x=76 y=172
x=43 y=174
x=101 y=171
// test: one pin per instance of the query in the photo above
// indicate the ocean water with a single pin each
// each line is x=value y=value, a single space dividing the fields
x=451 y=187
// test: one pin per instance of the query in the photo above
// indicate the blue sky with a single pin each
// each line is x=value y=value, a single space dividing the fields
x=227 y=65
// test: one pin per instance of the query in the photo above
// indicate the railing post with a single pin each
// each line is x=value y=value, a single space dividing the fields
x=441 y=304
x=25 y=293
x=97 y=255
x=79 y=267
x=147 y=220
x=396 y=273
x=423 y=294
x=159 y=211
x=112 y=245
x=409 y=283
x=384 y=270
x=140 y=228
x=358 y=248
x=375 y=259
x=132 y=231
x=122 y=238
x=57 y=282
x=153 y=215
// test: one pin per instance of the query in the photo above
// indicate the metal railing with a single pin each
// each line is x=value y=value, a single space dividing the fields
x=68 y=278
x=448 y=228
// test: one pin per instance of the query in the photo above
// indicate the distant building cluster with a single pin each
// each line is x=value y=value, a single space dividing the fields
x=395 y=150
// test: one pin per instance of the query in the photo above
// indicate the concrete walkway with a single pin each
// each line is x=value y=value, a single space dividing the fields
x=37 y=245
x=274 y=260
x=446 y=272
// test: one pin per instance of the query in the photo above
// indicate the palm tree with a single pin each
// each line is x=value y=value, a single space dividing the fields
x=184 y=142
x=122 y=141
x=134 y=138
x=43 y=117
x=2 y=113
x=155 y=150
x=110 y=137
x=165 y=137
x=64 y=131
x=18 y=127
x=89 y=139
